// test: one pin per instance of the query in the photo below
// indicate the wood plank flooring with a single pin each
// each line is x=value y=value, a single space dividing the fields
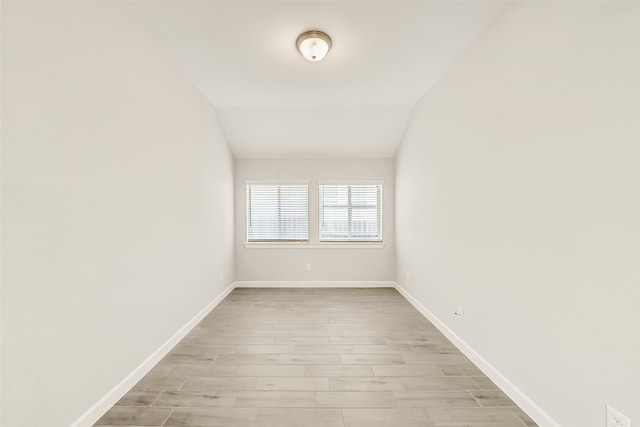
x=315 y=357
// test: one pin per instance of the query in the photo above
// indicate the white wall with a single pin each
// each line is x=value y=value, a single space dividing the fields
x=117 y=216
x=518 y=186
x=326 y=264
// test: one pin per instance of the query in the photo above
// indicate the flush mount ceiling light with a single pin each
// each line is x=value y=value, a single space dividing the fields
x=314 y=45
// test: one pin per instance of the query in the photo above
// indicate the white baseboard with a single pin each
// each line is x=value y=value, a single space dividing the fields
x=314 y=284
x=522 y=400
x=106 y=402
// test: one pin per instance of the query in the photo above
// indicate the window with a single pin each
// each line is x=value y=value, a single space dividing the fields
x=351 y=212
x=277 y=212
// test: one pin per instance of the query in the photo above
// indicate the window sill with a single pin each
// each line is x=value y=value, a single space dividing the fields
x=301 y=245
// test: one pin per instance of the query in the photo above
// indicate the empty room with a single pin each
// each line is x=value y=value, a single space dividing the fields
x=320 y=213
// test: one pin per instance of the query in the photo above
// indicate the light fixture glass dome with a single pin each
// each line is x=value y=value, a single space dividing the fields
x=314 y=45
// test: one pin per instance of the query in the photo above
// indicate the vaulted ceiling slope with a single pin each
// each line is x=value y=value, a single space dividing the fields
x=273 y=103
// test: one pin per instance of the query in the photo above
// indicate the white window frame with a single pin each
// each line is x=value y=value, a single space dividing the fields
x=262 y=243
x=347 y=242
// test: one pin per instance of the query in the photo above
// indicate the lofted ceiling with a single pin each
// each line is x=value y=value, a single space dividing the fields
x=272 y=103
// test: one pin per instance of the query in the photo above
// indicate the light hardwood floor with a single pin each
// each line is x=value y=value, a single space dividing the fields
x=315 y=357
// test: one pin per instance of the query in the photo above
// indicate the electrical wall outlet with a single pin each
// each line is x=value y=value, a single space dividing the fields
x=308 y=267
x=616 y=419
x=459 y=312
x=408 y=276
x=221 y=276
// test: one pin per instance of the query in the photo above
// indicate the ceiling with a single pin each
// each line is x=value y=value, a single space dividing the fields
x=272 y=103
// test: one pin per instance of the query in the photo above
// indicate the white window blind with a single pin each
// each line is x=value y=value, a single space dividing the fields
x=277 y=212
x=351 y=212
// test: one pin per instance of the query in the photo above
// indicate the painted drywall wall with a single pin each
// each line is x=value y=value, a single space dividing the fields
x=270 y=264
x=117 y=210
x=517 y=197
